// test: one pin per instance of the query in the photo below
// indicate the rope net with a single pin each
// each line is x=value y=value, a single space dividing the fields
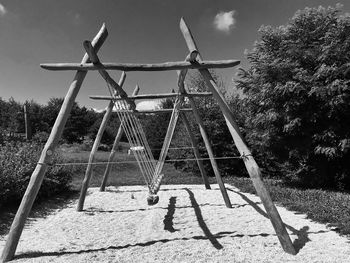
x=139 y=146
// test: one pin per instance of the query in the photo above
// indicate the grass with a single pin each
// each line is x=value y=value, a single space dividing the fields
x=327 y=207
x=322 y=206
x=319 y=205
x=124 y=172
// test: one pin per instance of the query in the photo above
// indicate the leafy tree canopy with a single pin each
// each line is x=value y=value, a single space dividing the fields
x=297 y=94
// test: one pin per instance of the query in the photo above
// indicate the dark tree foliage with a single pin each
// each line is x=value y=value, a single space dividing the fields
x=78 y=123
x=155 y=127
x=297 y=97
x=42 y=118
x=110 y=131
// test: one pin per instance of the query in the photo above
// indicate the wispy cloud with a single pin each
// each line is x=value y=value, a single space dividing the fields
x=148 y=105
x=224 y=21
x=3 y=10
x=75 y=18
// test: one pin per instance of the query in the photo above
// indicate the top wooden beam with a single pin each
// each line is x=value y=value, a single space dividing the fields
x=178 y=65
x=153 y=96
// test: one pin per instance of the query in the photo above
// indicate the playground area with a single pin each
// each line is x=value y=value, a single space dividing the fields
x=189 y=224
x=160 y=221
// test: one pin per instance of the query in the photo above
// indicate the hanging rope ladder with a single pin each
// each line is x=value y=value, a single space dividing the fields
x=150 y=168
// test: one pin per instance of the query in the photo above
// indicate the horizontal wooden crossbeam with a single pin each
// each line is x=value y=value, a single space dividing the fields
x=155 y=111
x=153 y=96
x=178 y=65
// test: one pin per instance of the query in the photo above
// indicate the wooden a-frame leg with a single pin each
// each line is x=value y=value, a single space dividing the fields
x=114 y=149
x=167 y=140
x=210 y=153
x=89 y=168
x=251 y=166
x=195 y=150
x=46 y=155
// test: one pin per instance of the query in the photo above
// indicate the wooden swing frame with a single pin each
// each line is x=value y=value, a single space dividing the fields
x=194 y=60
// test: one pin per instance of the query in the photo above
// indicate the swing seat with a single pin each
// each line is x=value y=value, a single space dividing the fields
x=135 y=148
x=152 y=199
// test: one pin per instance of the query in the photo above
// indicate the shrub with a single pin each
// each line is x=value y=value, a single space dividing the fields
x=17 y=162
x=41 y=137
x=297 y=94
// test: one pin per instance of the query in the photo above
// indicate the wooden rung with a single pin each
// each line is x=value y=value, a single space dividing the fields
x=153 y=96
x=178 y=65
x=153 y=111
x=137 y=148
x=157 y=182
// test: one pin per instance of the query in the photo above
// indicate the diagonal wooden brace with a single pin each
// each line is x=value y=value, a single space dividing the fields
x=95 y=60
x=251 y=166
x=101 y=130
x=46 y=155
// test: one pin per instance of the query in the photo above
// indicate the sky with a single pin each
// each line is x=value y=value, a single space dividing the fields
x=140 y=31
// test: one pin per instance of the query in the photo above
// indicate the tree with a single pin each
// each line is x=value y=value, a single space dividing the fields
x=155 y=127
x=296 y=91
x=78 y=123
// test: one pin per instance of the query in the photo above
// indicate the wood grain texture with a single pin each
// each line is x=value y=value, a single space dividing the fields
x=196 y=151
x=154 y=111
x=154 y=96
x=177 y=65
x=251 y=166
x=46 y=155
x=183 y=91
x=101 y=130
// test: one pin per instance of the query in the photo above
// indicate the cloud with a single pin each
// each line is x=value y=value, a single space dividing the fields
x=3 y=10
x=148 y=105
x=98 y=110
x=143 y=105
x=224 y=21
x=77 y=19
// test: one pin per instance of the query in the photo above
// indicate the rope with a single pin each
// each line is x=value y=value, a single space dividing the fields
x=167 y=161
x=137 y=139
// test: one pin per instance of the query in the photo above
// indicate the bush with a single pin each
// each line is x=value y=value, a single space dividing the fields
x=41 y=137
x=17 y=162
x=296 y=92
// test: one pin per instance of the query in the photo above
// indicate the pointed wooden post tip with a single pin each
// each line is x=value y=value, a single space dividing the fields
x=104 y=28
x=137 y=89
x=122 y=78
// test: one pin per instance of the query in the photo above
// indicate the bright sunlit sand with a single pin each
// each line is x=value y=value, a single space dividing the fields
x=189 y=224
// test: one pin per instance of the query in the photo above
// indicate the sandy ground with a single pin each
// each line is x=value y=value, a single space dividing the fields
x=189 y=224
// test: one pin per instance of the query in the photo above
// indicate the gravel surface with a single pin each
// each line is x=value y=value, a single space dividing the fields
x=189 y=224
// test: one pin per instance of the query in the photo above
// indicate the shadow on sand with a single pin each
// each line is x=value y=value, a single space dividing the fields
x=302 y=234
x=40 y=210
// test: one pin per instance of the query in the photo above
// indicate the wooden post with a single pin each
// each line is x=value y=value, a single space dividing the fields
x=114 y=148
x=141 y=67
x=89 y=168
x=251 y=166
x=181 y=84
x=210 y=153
x=153 y=96
x=27 y=125
x=46 y=155
x=168 y=136
x=196 y=150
